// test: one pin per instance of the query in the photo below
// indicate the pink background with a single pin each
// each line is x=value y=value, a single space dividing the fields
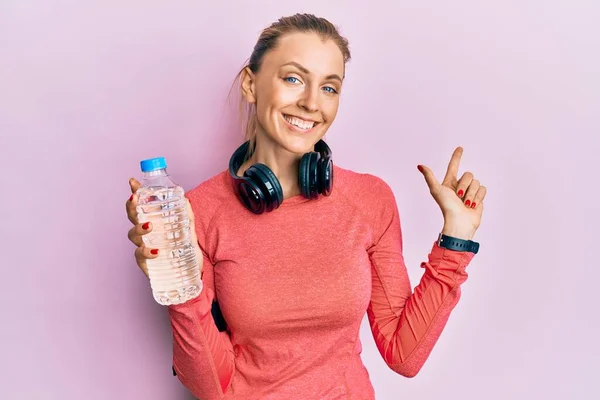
x=87 y=89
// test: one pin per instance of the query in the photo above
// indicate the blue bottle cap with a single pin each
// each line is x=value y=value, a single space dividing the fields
x=153 y=164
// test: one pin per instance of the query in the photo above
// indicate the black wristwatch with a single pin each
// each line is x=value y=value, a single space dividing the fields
x=452 y=243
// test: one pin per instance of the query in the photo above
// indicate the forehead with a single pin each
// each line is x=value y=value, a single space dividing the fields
x=318 y=56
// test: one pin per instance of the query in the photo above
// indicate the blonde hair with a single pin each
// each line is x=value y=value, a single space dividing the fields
x=268 y=40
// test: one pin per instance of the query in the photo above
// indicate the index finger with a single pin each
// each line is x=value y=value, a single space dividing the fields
x=134 y=185
x=131 y=208
x=131 y=204
x=452 y=171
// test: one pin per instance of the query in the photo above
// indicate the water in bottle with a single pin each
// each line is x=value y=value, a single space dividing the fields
x=175 y=273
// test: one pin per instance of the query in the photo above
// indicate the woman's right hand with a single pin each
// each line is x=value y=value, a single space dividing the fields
x=142 y=253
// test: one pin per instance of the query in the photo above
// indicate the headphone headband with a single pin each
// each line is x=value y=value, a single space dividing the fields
x=260 y=190
x=237 y=159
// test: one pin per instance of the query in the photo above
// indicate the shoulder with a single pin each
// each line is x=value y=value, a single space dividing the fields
x=369 y=196
x=364 y=187
x=210 y=196
x=214 y=185
x=366 y=194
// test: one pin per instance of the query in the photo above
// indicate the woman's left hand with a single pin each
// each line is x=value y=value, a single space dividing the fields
x=461 y=200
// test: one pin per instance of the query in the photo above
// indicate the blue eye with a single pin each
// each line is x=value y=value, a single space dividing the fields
x=330 y=89
x=291 y=79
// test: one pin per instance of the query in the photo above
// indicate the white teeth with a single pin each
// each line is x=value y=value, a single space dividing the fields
x=300 y=123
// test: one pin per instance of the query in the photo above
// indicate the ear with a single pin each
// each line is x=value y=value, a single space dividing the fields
x=248 y=85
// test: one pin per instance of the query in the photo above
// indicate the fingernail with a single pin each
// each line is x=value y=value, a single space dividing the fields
x=154 y=251
x=131 y=198
x=146 y=225
x=473 y=205
x=468 y=203
x=460 y=193
x=420 y=168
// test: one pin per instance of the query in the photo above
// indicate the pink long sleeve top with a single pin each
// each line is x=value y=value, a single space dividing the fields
x=293 y=286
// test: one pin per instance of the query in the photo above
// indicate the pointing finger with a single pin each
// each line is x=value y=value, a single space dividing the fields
x=453 y=165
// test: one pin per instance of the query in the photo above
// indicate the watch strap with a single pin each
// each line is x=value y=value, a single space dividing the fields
x=456 y=244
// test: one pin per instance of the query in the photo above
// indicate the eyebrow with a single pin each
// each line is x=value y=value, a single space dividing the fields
x=306 y=71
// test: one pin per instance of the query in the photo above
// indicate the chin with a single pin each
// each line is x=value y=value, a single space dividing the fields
x=299 y=144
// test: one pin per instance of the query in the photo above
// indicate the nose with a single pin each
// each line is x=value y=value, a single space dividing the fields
x=309 y=100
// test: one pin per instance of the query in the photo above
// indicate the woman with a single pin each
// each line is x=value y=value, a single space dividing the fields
x=295 y=257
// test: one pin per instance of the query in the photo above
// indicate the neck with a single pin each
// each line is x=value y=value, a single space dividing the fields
x=284 y=164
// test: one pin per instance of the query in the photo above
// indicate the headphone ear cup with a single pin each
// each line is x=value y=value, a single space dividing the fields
x=325 y=176
x=313 y=174
x=303 y=175
x=251 y=195
x=265 y=180
x=309 y=175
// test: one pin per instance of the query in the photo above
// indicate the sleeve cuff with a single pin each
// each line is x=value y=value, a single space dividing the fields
x=443 y=258
x=202 y=303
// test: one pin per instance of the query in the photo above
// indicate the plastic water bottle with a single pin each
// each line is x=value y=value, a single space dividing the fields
x=175 y=273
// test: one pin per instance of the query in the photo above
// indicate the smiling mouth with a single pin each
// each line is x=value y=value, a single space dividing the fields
x=299 y=123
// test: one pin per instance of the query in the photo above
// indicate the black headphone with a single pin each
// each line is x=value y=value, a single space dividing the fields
x=260 y=190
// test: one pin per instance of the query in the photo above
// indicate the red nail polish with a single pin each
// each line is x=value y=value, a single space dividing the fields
x=154 y=251
x=420 y=168
x=131 y=198
x=460 y=193
x=473 y=205
x=468 y=203
x=146 y=225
